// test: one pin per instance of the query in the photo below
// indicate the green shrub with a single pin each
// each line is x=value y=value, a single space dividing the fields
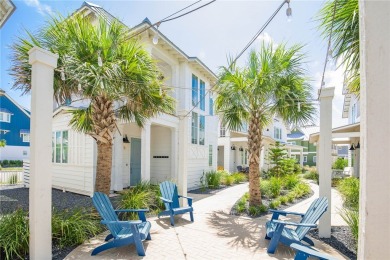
x=265 y=188
x=257 y=210
x=275 y=186
x=229 y=180
x=312 y=175
x=297 y=169
x=213 y=179
x=241 y=205
x=13 y=179
x=301 y=189
x=136 y=198
x=5 y=163
x=340 y=164
x=71 y=228
x=351 y=217
x=290 y=181
x=14 y=234
x=239 y=177
x=349 y=189
x=290 y=197
x=283 y=200
x=274 y=204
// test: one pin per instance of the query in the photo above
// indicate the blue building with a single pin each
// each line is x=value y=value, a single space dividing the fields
x=14 y=129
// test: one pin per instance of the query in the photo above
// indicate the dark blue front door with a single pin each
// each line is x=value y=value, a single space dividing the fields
x=135 y=161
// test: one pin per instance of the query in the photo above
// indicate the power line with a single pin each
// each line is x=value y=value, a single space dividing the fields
x=245 y=48
x=327 y=50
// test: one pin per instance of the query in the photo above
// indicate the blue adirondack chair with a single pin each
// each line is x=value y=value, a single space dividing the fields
x=278 y=232
x=122 y=232
x=170 y=198
x=303 y=252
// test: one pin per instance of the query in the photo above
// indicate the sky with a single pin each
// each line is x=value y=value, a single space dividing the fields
x=212 y=33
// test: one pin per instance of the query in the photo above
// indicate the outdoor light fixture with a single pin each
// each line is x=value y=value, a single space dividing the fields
x=233 y=147
x=352 y=147
x=156 y=37
x=241 y=149
x=125 y=139
x=289 y=11
x=358 y=146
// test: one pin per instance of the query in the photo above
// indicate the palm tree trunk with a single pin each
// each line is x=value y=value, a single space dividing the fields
x=254 y=145
x=103 y=168
x=104 y=123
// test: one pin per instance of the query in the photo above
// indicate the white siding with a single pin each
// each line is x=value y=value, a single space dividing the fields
x=78 y=174
x=160 y=145
x=10 y=152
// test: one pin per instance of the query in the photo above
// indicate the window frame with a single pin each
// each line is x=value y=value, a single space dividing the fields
x=5 y=117
x=61 y=147
x=195 y=90
x=194 y=128
x=305 y=158
x=25 y=138
x=315 y=159
x=277 y=132
x=202 y=95
x=202 y=131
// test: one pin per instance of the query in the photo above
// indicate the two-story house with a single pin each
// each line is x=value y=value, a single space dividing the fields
x=14 y=129
x=299 y=136
x=233 y=145
x=169 y=147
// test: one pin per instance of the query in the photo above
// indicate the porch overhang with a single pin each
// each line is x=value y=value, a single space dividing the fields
x=342 y=134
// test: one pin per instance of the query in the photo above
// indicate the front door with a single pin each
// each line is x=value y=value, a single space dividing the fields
x=135 y=161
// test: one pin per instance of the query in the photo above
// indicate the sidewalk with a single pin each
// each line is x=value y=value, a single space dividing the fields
x=214 y=235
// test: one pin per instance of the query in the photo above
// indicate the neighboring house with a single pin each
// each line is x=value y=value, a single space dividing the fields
x=169 y=147
x=14 y=129
x=6 y=10
x=299 y=137
x=233 y=145
x=347 y=135
x=342 y=151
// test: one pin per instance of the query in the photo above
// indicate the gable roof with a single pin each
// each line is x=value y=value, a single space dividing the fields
x=3 y=93
x=164 y=41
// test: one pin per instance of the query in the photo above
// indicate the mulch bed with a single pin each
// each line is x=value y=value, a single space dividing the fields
x=341 y=239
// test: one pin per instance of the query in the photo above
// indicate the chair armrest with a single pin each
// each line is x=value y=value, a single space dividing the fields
x=166 y=200
x=276 y=213
x=122 y=223
x=189 y=200
x=284 y=223
x=311 y=251
x=180 y=196
x=131 y=210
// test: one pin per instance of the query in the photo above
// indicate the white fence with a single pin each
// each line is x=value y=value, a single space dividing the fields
x=10 y=177
x=26 y=173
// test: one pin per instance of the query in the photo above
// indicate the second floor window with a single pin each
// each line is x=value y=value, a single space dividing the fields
x=5 y=117
x=277 y=133
x=60 y=147
x=195 y=90
x=211 y=108
x=198 y=125
x=202 y=93
x=222 y=131
x=194 y=128
x=26 y=138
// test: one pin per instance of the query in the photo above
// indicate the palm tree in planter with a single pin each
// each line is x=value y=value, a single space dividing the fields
x=99 y=63
x=273 y=83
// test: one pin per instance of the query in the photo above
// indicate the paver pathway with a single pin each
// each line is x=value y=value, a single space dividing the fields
x=214 y=235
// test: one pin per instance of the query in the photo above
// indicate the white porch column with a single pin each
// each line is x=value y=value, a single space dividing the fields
x=183 y=155
x=145 y=152
x=325 y=157
x=301 y=158
x=117 y=162
x=374 y=228
x=174 y=153
x=226 y=156
x=43 y=64
x=289 y=152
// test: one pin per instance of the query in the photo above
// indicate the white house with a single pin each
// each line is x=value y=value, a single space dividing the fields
x=169 y=147
x=233 y=145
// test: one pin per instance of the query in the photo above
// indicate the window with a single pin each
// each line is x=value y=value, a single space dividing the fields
x=60 y=147
x=194 y=90
x=304 y=158
x=222 y=131
x=210 y=155
x=194 y=128
x=5 y=117
x=211 y=108
x=202 y=93
x=24 y=153
x=26 y=138
x=202 y=122
x=246 y=157
x=277 y=133
x=314 y=158
x=353 y=113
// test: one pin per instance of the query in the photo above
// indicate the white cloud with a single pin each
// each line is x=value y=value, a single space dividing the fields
x=266 y=38
x=43 y=9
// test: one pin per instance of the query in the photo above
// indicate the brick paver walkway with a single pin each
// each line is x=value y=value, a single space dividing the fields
x=214 y=235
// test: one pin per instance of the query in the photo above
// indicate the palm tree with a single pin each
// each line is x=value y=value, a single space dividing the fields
x=100 y=63
x=345 y=37
x=272 y=84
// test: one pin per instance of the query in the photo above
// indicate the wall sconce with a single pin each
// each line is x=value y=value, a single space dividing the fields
x=241 y=149
x=125 y=139
x=358 y=146
x=352 y=147
x=233 y=147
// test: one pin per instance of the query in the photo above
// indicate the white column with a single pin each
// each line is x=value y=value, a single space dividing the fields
x=226 y=156
x=145 y=152
x=174 y=153
x=117 y=162
x=43 y=65
x=301 y=158
x=183 y=155
x=325 y=157
x=289 y=152
x=374 y=228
